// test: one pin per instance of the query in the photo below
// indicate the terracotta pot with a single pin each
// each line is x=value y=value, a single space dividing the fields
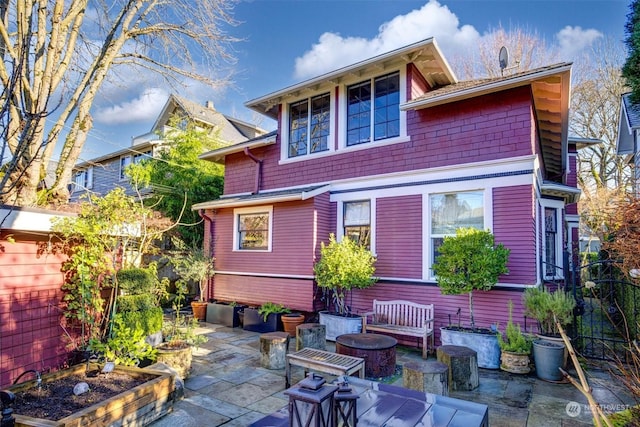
x=199 y=309
x=291 y=321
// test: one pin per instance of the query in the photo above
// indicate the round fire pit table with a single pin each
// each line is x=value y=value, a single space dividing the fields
x=377 y=350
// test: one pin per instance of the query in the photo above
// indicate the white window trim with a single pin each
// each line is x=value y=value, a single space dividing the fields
x=559 y=207
x=427 y=252
x=121 y=175
x=87 y=179
x=252 y=210
x=342 y=113
x=284 y=134
x=372 y=219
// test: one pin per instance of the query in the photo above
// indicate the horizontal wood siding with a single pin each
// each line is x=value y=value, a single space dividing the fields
x=292 y=252
x=514 y=227
x=31 y=335
x=489 y=127
x=293 y=293
x=399 y=237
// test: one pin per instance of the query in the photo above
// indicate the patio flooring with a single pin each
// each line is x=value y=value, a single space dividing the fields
x=228 y=387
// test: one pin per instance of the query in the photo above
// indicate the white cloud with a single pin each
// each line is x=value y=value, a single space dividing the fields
x=572 y=40
x=432 y=20
x=144 y=108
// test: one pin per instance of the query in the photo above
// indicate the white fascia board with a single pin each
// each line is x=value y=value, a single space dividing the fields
x=24 y=219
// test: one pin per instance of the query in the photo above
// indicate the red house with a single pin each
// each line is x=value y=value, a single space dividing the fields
x=398 y=153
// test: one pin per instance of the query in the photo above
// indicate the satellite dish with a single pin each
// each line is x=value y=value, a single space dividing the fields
x=503 y=58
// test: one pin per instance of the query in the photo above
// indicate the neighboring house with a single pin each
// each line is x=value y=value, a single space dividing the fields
x=101 y=175
x=628 y=129
x=396 y=152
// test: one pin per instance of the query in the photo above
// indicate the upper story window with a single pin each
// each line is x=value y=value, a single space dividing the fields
x=309 y=125
x=373 y=109
x=138 y=157
x=253 y=229
x=357 y=221
x=124 y=162
x=83 y=179
x=450 y=211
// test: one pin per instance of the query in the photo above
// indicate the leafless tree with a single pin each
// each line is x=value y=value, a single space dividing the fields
x=66 y=50
x=526 y=51
x=595 y=112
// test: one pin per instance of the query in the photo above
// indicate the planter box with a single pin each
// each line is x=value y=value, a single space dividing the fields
x=485 y=345
x=254 y=322
x=224 y=314
x=136 y=407
x=340 y=325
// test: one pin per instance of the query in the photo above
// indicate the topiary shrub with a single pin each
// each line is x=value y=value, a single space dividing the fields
x=468 y=261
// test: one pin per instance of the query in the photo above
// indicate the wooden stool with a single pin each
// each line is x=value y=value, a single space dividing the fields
x=428 y=377
x=463 y=366
x=273 y=350
x=311 y=335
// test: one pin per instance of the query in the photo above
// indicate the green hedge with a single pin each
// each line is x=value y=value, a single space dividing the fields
x=150 y=321
x=136 y=280
x=136 y=303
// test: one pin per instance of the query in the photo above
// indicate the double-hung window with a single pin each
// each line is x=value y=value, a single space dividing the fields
x=124 y=162
x=450 y=211
x=373 y=109
x=253 y=229
x=357 y=221
x=83 y=179
x=552 y=243
x=309 y=122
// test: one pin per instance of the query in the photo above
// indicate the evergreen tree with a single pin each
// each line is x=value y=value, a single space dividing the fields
x=631 y=68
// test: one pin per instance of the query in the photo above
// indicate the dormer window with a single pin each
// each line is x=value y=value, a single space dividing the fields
x=309 y=125
x=373 y=109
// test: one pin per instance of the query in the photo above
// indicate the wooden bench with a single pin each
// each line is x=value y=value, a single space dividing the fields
x=323 y=361
x=404 y=318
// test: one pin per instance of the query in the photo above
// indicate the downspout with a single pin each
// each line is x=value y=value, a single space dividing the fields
x=258 y=169
x=211 y=222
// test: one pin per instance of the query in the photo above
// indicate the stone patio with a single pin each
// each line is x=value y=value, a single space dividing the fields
x=228 y=387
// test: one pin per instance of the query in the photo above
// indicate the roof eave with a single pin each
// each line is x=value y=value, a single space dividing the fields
x=265 y=104
x=260 y=199
x=218 y=155
x=481 y=90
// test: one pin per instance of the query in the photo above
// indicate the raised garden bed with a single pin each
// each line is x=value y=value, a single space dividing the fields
x=125 y=397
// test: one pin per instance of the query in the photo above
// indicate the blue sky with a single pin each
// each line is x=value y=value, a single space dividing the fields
x=286 y=41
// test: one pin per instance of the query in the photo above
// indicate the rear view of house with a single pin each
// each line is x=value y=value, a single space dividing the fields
x=396 y=152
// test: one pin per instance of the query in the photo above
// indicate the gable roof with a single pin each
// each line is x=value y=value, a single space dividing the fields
x=425 y=55
x=231 y=129
x=550 y=90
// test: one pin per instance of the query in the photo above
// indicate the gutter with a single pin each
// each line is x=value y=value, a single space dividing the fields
x=258 y=170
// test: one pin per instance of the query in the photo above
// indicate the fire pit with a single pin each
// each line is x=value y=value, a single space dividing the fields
x=378 y=351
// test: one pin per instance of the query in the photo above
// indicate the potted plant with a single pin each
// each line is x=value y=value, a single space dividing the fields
x=470 y=261
x=179 y=336
x=194 y=265
x=342 y=267
x=515 y=347
x=224 y=313
x=290 y=322
x=549 y=351
x=266 y=318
